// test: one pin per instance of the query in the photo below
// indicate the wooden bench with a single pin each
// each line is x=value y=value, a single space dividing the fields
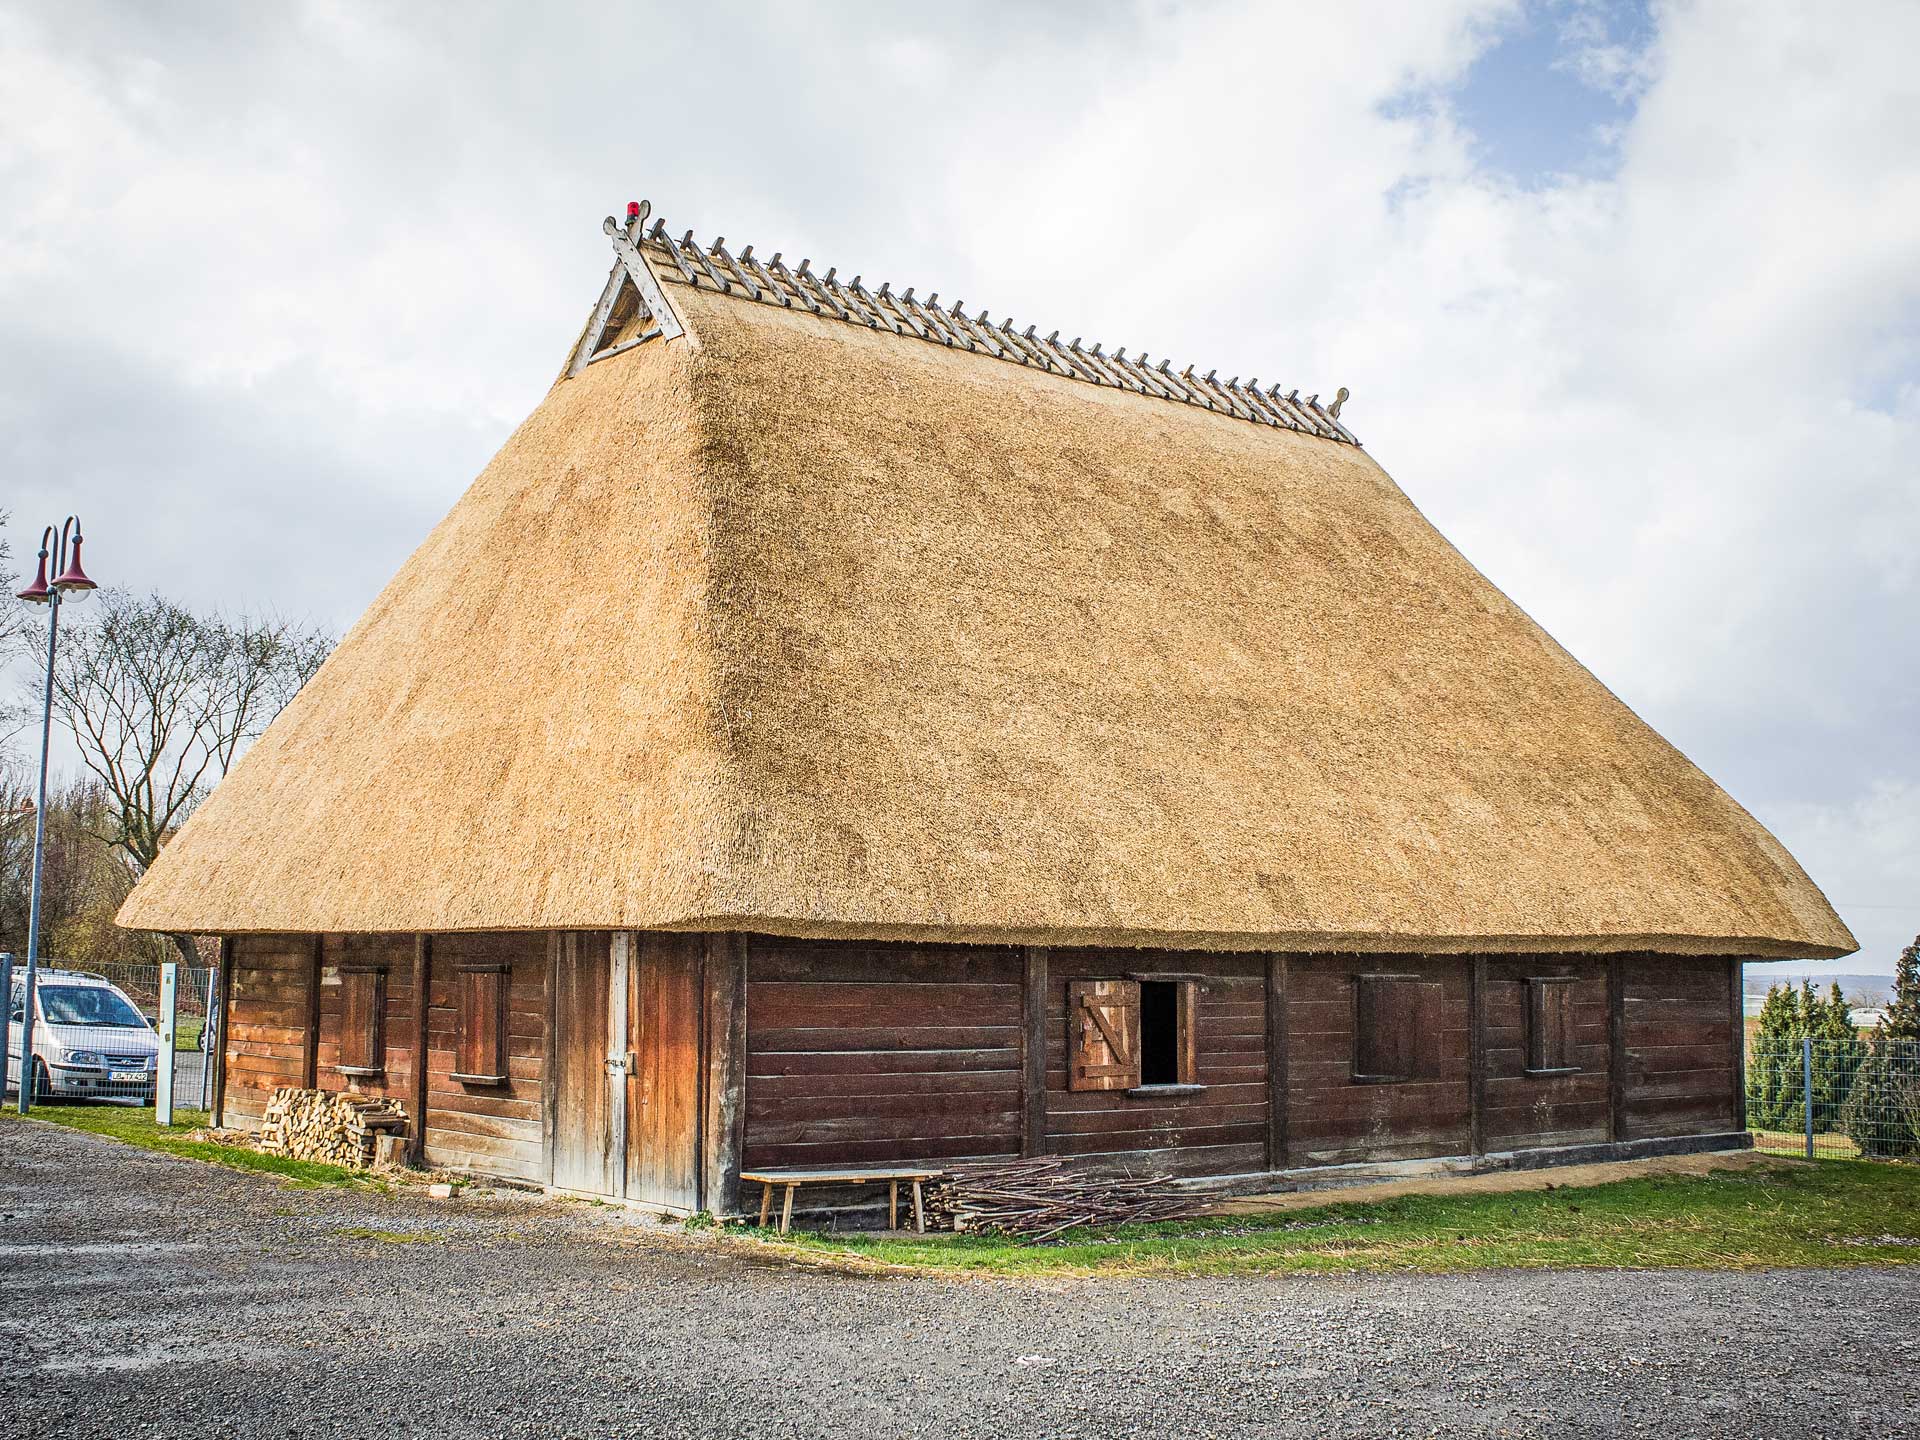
x=890 y=1175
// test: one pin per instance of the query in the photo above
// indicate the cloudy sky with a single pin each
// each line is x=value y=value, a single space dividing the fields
x=1628 y=297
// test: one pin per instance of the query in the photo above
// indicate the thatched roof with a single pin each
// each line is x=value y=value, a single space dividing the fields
x=776 y=619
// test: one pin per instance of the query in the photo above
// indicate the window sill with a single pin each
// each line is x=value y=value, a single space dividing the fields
x=362 y=1072
x=1549 y=1074
x=478 y=1079
x=1382 y=1079
x=1150 y=1092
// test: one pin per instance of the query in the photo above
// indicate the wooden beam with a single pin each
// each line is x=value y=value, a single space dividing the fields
x=224 y=954
x=1277 y=1102
x=422 y=994
x=723 y=1121
x=1033 y=1045
x=626 y=247
x=310 y=1073
x=1477 y=1055
x=1736 y=981
x=1616 y=1049
x=549 y=1092
x=622 y=961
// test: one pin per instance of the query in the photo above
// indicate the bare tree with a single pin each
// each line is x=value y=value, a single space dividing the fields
x=16 y=624
x=84 y=884
x=161 y=701
x=16 y=797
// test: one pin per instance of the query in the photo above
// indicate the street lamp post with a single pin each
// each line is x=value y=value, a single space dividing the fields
x=69 y=582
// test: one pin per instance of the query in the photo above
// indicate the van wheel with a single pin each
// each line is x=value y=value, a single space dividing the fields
x=42 y=1081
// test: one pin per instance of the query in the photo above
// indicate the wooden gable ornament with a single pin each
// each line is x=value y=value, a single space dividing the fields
x=632 y=308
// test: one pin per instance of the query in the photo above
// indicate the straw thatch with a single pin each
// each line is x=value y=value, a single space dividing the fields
x=798 y=627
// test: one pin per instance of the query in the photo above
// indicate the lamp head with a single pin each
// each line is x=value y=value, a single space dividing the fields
x=72 y=582
x=38 y=593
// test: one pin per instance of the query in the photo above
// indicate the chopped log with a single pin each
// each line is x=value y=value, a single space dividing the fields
x=330 y=1127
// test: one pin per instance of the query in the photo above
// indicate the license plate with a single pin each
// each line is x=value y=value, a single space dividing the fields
x=126 y=1074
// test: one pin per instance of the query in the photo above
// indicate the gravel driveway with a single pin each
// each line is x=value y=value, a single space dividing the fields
x=146 y=1295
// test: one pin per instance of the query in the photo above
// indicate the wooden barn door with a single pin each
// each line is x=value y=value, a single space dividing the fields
x=587 y=1141
x=663 y=1092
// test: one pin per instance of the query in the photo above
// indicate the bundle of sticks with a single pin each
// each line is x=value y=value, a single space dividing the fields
x=1038 y=1199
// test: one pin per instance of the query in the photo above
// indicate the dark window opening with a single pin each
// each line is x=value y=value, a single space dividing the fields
x=1160 y=1032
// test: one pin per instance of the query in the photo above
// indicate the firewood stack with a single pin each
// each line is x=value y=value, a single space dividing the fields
x=1039 y=1198
x=333 y=1128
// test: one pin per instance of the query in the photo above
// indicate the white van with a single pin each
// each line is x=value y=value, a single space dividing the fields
x=89 y=1040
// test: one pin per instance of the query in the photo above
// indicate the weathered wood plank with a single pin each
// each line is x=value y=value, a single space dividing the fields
x=878 y=1062
x=955 y=1085
x=1617 y=1049
x=841 y=1151
x=1033 y=1122
x=1279 y=1058
x=860 y=962
x=1477 y=1054
x=310 y=1071
x=725 y=1100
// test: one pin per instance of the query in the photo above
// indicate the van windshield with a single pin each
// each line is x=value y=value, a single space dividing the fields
x=88 y=1005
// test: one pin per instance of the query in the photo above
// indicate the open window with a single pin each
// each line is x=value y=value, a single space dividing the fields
x=1396 y=1029
x=1167 y=1049
x=1550 y=1025
x=480 y=1024
x=363 y=1011
x=1136 y=1034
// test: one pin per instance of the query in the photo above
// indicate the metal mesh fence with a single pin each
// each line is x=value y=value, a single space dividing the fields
x=96 y=1036
x=1852 y=1099
x=141 y=985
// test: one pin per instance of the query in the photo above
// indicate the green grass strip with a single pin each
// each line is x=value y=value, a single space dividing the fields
x=134 y=1126
x=1836 y=1213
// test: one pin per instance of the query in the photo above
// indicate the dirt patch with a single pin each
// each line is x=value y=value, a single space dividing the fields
x=1497 y=1181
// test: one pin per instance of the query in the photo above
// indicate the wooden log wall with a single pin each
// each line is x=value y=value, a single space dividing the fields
x=875 y=1053
x=1220 y=1128
x=490 y=1129
x=1678 y=1037
x=266 y=1021
x=393 y=954
x=847 y=1052
x=1332 y=1120
x=1521 y=1111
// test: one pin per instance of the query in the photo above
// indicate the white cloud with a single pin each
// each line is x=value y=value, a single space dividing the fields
x=292 y=274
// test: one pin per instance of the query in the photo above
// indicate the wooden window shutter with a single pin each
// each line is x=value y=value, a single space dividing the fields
x=1396 y=1029
x=1187 y=1044
x=480 y=1011
x=1103 y=1034
x=1550 y=1025
x=363 y=1017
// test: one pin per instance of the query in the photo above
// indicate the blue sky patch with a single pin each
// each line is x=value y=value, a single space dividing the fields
x=1547 y=97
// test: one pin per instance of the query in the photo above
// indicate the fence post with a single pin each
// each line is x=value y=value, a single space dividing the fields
x=1806 y=1086
x=169 y=1007
x=6 y=995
